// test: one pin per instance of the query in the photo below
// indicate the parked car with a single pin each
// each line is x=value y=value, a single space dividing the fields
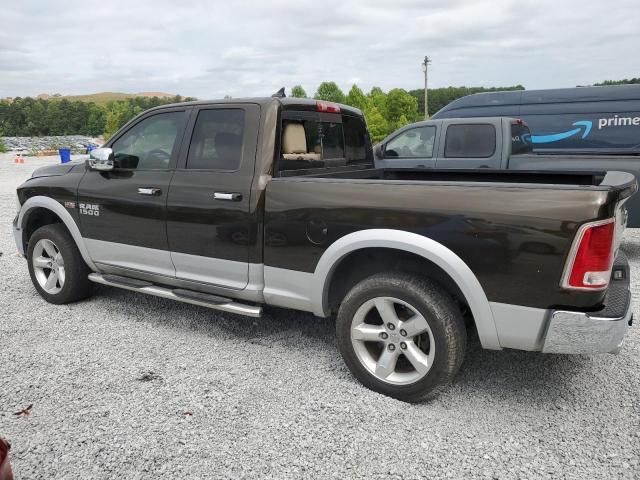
x=586 y=128
x=235 y=204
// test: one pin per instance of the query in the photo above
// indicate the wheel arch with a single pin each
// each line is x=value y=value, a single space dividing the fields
x=51 y=209
x=410 y=243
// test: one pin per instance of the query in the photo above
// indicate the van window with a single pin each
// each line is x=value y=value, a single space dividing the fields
x=216 y=143
x=472 y=140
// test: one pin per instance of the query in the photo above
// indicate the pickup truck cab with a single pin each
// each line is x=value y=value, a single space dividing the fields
x=488 y=142
x=237 y=204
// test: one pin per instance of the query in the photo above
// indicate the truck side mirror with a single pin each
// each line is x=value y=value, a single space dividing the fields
x=101 y=159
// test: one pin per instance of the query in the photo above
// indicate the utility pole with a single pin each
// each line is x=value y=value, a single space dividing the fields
x=425 y=68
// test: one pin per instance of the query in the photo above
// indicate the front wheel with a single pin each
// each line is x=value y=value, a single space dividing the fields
x=57 y=269
x=401 y=335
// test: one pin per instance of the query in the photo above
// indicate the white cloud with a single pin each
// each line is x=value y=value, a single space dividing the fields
x=245 y=48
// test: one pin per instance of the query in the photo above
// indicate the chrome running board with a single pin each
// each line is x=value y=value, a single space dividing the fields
x=178 y=294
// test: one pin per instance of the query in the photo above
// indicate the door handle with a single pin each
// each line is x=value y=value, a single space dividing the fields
x=151 y=191
x=231 y=197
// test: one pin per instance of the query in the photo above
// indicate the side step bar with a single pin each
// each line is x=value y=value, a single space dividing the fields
x=178 y=294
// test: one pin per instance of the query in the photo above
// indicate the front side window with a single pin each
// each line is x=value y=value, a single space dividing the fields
x=413 y=143
x=149 y=144
x=216 y=143
x=472 y=140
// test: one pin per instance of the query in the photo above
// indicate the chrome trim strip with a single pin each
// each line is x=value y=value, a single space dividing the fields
x=65 y=216
x=231 y=307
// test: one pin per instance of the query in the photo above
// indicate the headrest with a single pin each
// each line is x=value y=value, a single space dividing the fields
x=294 y=139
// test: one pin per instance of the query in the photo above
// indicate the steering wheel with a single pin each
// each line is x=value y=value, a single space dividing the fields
x=158 y=155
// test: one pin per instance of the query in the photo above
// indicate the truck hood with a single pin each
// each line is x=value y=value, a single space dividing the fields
x=54 y=170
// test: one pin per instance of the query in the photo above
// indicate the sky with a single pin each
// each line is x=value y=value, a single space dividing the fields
x=209 y=49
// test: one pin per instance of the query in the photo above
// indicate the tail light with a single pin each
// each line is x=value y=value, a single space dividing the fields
x=327 y=107
x=591 y=257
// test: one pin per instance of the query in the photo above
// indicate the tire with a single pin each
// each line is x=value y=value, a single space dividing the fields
x=53 y=251
x=433 y=338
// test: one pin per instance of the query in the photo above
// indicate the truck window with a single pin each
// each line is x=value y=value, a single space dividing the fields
x=316 y=144
x=216 y=142
x=520 y=139
x=413 y=143
x=471 y=140
x=149 y=144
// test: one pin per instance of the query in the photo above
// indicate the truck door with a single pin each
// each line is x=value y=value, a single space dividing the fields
x=472 y=144
x=210 y=227
x=411 y=148
x=122 y=211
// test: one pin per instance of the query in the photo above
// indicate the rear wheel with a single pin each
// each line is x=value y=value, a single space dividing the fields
x=401 y=335
x=57 y=269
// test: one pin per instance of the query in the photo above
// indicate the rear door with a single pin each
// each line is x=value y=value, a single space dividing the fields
x=410 y=148
x=209 y=223
x=472 y=144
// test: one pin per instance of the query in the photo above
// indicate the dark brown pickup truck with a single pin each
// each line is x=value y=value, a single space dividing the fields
x=238 y=203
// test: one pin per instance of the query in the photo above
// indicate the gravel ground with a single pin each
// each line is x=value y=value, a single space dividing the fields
x=131 y=386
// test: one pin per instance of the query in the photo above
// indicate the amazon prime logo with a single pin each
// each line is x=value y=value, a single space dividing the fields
x=583 y=129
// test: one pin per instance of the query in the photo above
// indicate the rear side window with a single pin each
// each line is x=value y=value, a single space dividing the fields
x=216 y=142
x=520 y=139
x=357 y=146
x=473 y=140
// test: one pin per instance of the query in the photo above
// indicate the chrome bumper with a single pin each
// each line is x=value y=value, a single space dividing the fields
x=17 y=236
x=594 y=332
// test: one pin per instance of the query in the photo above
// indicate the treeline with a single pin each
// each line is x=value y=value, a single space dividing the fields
x=618 y=82
x=388 y=111
x=30 y=117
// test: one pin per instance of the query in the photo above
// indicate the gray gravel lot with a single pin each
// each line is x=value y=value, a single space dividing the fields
x=131 y=386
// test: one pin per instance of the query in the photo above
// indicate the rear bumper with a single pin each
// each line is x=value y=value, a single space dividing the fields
x=594 y=332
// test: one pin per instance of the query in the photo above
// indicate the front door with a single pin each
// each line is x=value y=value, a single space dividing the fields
x=209 y=219
x=123 y=211
x=411 y=148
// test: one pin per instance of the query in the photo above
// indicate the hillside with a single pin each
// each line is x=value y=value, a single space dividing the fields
x=104 y=97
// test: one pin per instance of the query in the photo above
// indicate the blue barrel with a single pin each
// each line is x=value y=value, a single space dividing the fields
x=65 y=155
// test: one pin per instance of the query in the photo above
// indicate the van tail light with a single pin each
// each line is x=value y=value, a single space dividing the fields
x=591 y=257
x=327 y=107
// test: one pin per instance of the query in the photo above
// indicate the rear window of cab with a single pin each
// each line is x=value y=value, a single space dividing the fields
x=314 y=141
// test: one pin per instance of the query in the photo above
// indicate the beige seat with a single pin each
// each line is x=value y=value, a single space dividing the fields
x=294 y=144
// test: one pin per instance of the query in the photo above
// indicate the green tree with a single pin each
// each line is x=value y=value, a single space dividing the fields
x=400 y=108
x=298 y=92
x=377 y=125
x=625 y=81
x=357 y=98
x=329 y=92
